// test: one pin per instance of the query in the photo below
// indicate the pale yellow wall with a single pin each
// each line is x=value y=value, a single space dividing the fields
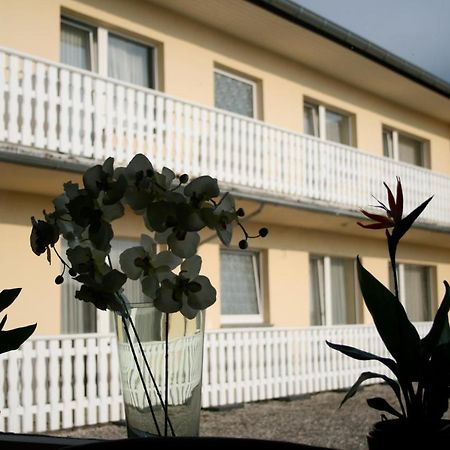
x=20 y=267
x=190 y=50
x=288 y=287
x=189 y=53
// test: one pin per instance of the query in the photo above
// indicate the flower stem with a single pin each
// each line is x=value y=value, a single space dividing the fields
x=141 y=376
x=166 y=383
x=158 y=393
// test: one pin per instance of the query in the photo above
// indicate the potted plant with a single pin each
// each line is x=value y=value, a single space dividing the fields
x=421 y=367
x=160 y=334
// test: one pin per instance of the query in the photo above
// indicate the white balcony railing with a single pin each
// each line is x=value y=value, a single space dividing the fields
x=78 y=114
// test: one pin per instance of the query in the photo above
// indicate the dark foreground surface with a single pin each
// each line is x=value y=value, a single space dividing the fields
x=313 y=420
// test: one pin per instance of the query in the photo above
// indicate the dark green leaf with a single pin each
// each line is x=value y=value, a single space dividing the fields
x=440 y=327
x=7 y=297
x=371 y=375
x=362 y=355
x=405 y=224
x=93 y=179
x=381 y=404
x=13 y=339
x=397 y=332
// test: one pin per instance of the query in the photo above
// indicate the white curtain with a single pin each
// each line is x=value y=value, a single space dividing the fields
x=129 y=61
x=75 y=46
x=410 y=150
x=342 y=291
x=311 y=120
x=388 y=144
x=317 y=296
x=239 y=290
x=338 y=127
x=417 y=292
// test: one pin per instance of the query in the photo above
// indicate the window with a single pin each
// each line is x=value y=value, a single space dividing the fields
x=326 y=123
x=240 y=288
x=416 y=291
x=234 y=94
x=77 y=44
x=333 y=295
x=78 y=316
x=91 y=48
x=402 y=147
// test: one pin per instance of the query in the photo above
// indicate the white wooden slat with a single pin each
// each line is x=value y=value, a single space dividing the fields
x=195 y=148
x=75 y=113
x=87 y=128
x=96 y=110
x=228 y=151
x=242 y=171
x=130 y=119
x=118 y=133
x=160 y=130
x=54 y=380
x=251 y=154
x=110 y=108
x=219 y=148
x=64 y=88
x=169 y=135
x=150 y=125
x=178 y=139
x=67 y=383
x=204 y=138
x=103 y=415
x=116 y=411
x=238 y=367
x=235 y=156
x=213 y=371
x=140 y=121
x=211 y=158
x=52 y=109
x=79 y=387
x=26 y=103
x=41 y=385
x=13 y=102
x=26 y=380
x=91 y=388
x=187 y=141
x=14 y=425
x=223 y=400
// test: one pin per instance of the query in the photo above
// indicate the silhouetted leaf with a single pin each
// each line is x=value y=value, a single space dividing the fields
x=440 y=328
x=397 y=332
x=7 y=297
x=13 y=339
x=381 y=404
x=362 y=355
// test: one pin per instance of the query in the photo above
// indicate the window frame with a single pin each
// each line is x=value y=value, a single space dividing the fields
x=99 y=49
x=322 y=109
x=244 y=319
x=242 y=79
x=327 y=313
x=424 y=146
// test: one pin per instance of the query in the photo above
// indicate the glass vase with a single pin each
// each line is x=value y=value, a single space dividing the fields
x=146 y=358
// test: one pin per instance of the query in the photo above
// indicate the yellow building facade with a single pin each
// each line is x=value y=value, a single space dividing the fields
x=299 y=127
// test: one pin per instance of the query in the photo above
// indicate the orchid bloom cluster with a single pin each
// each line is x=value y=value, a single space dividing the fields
x=174 y=210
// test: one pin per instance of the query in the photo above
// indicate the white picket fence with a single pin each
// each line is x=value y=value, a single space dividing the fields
x=76 y=115
x=61 y=382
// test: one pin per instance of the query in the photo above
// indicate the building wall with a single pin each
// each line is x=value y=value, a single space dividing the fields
x=188 y=52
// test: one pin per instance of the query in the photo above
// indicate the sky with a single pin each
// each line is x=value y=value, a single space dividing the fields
x=415 y=30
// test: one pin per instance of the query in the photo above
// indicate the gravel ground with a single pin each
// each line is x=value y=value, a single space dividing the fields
x=313 y=420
